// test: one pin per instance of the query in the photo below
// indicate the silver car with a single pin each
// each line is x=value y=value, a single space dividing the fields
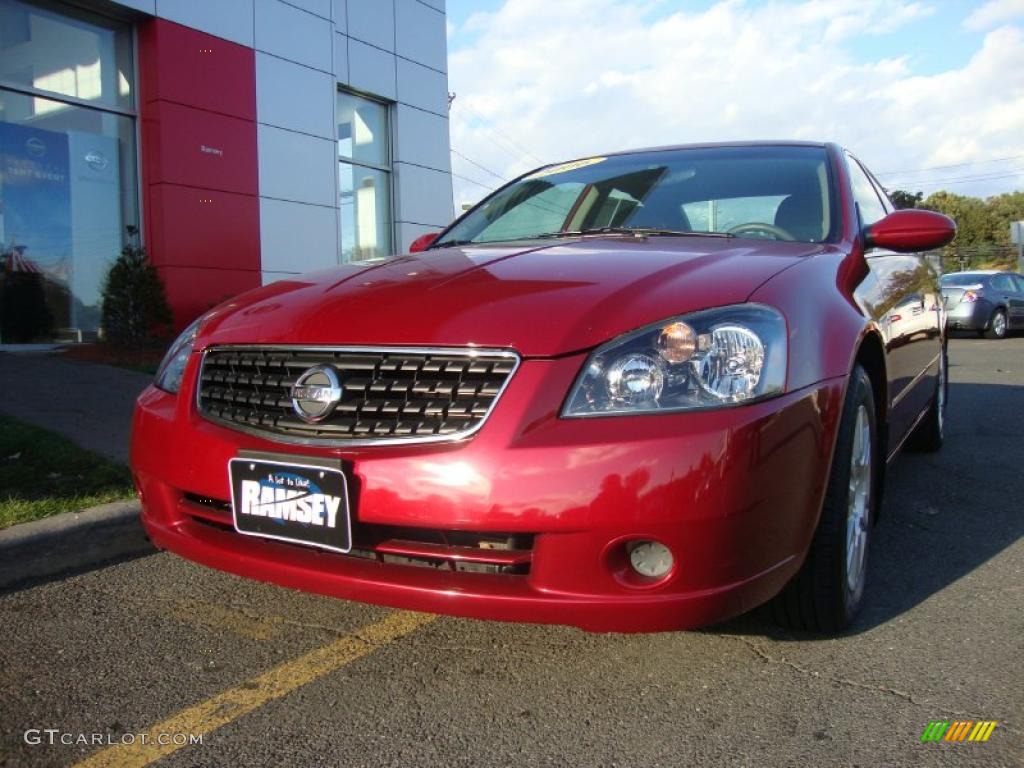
x=988 y=302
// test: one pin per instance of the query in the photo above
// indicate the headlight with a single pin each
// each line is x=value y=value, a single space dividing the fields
x=172 y=368
x=710 y=359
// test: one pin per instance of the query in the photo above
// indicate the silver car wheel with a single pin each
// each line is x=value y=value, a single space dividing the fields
x=999 y=324
x=858 y=515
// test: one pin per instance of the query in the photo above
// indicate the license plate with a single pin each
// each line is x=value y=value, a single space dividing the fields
x=291 y=501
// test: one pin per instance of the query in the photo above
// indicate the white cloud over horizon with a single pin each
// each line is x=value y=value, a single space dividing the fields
x=995 y=12
x=551 y=81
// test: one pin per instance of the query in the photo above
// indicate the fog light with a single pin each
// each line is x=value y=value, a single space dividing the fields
x=650 y=558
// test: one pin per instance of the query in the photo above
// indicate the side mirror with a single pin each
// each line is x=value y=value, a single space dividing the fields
x=910 y=230
x=423 y=242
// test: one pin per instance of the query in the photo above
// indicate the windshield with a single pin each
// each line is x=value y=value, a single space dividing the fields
x=770 y=192
x=963 y=278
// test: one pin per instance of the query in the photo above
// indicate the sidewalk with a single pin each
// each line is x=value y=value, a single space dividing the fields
x=90 y=404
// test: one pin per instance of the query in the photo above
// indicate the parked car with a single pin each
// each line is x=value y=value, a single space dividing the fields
x=642 y=391
x=988 y=302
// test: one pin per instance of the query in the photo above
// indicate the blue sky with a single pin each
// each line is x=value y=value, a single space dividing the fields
x=906 y=84
x=938 y=42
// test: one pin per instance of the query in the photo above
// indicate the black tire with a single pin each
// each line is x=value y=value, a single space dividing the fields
x=929 y=434
x=997 y=325
x=819 y=598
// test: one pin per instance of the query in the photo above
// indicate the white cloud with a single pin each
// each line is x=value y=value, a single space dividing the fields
x=995 y=12
x=565 y=79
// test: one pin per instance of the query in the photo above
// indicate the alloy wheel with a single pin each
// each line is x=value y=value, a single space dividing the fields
x=999 y=324
x=858 y=515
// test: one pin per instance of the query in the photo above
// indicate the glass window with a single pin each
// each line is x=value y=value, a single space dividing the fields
x=1003 y=283
x=774 y=192
x=546 y=210
x=963 y=278
x=67 y=171
x=723 y=215
x=871 y=208
x=364 y=178
x=45 y=47
x=365 y=213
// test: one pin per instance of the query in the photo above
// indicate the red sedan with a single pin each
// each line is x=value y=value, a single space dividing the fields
x=642 y=391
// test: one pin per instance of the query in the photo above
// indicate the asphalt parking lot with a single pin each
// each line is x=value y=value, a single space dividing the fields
x=158 y=645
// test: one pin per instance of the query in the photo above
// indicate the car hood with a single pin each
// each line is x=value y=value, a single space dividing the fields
x=541 y=300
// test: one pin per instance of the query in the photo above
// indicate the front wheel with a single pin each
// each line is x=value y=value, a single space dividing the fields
x=997 y=325
x=827 y=591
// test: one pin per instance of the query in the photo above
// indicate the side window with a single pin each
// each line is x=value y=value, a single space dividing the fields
x=1019 y=282
x=1003 y=283
x=871 y=208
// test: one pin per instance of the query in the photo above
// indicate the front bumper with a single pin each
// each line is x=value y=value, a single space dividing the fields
x=735 y=494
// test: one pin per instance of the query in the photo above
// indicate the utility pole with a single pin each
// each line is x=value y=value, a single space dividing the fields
x=1017 y=237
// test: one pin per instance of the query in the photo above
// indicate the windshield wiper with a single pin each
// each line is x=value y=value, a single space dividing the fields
x=635 y=231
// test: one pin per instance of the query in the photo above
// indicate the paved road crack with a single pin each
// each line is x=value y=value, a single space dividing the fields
x=768 y=658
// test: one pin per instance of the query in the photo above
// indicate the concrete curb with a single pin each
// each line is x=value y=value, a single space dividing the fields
x=74 y=541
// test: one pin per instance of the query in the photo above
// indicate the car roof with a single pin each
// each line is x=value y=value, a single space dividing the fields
x=716 y=145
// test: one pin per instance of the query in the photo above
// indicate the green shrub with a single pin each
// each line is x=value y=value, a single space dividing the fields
x=135 y=308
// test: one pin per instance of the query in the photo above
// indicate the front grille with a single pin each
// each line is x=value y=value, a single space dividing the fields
x=386 y=395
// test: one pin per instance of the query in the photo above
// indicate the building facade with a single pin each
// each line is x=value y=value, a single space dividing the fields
x=247 y=140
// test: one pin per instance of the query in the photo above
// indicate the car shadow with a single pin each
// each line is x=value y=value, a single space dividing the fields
x=944 y=515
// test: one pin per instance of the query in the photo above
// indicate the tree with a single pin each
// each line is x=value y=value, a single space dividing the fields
x=135 y=308
x=983 y=228
x=903 y=199
x=1004 y=209
x=974 y=220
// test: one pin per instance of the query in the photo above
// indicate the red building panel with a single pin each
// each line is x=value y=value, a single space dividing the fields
x=185 y=145
x=199 y=166
x=195 y=69
x=191 y=227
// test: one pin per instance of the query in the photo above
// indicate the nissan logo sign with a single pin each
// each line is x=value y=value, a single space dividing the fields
x=316 y=393
x=96 y=160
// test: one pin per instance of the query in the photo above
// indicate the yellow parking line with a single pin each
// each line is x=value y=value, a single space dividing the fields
x=220 y=710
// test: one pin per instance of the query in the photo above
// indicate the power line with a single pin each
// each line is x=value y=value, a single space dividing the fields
x=472 y=181
x=954 y=165
x=505 y=147
x=482 y=168
x=521 y=150
x=508 y=138
x=960 y=179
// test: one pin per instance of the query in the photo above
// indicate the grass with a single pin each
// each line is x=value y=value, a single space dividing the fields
x=44 y=474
